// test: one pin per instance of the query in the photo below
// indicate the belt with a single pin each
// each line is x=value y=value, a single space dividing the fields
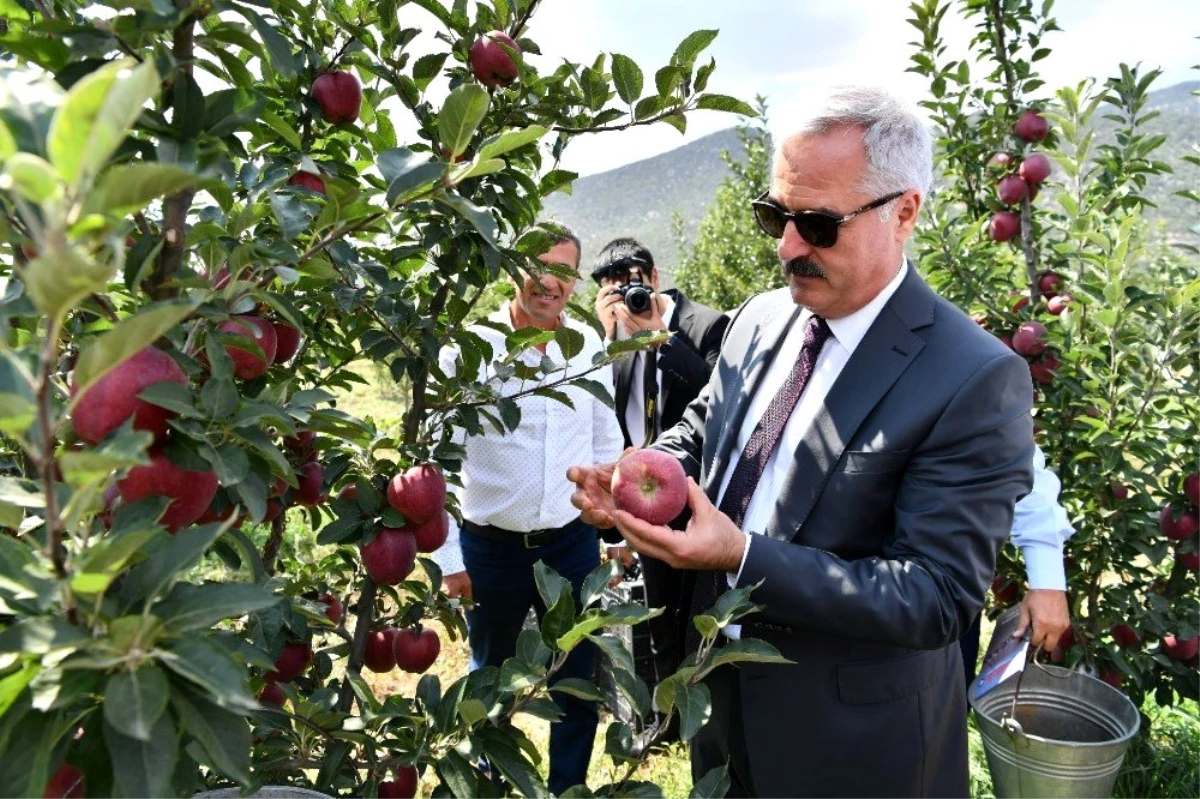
x=529 y=540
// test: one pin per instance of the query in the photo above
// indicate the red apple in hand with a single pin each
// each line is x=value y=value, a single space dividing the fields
x=650 y=485
x=1035 y=169
x=379 y=656
x=416 y=649
x=390 y=557
x=491 y=64
x=307 y=180
x=418 y=493
x=403 y=787
x=112 y=399
x=1031 y=126
x=1004 y=225
x=339 y=95
x=190 y=492
x=1012 y=190
x=292 y=662
x=431 y=534
x=248 y=365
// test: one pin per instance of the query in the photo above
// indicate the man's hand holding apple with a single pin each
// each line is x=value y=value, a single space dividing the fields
x=711 y=543
x=457 y=585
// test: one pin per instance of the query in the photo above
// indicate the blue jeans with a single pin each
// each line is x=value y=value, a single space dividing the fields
x=503 y=587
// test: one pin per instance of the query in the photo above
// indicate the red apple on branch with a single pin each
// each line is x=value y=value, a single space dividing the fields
x=307 y=180
x=301 y=444
x=339 y=95
x=390 y=557
x=418 y=493
x=190 y=492
x=1181 y=648
x=1191 y=488
x=1190 y=561
x=1005 y=591
x=248 y=365
x=403 y=787
x=1058 y=303
x=1187 y=525
x=1004 y=225
x=1030 y=338
x=651 y=485
x=272 y=694
x=431 y=534
x=334 y=611
x=1035 y=169
x=1120 y=491
x=1113 y=677
x=66 y=782
x=379 y=655
x=1049 y=283
x=1125 y=636
x=287 y=340
x=491 y=64
x=1012 y=189
x=416 y=649
x=1031 y=126
x=292 y=662
x=309 y=492
x=112 y=399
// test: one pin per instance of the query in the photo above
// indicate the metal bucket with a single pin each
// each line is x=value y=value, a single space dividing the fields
x=1075 y=730
x=265 y=792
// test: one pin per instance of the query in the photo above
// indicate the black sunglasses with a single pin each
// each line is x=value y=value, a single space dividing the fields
x=816 y=227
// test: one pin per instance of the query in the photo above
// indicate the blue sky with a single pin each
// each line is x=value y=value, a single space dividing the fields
x=788 y=49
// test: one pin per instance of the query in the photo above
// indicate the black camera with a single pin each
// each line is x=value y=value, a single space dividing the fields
x=637 y=296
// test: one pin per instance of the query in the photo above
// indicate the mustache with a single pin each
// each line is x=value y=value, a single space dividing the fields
x=803 y=267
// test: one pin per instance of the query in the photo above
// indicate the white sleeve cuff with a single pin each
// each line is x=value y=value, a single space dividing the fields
x=448 y=556
x=734 y=579
x=1044 y=566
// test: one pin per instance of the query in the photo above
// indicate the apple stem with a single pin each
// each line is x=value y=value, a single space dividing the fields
x=45 y=459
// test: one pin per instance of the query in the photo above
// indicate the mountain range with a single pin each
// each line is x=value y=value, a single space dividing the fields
x=640 y=199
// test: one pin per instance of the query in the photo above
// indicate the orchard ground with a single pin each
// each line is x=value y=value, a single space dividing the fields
x=1166 y=766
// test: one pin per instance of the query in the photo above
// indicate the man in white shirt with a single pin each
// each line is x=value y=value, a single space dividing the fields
x=858 y=451
x=516 y=502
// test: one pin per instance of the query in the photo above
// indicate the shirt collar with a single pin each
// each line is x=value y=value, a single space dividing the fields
x=669 y=311
x=849 y=330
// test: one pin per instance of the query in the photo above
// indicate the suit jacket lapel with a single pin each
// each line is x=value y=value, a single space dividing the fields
x=681 y=321
x=888 y=348
x=771 y=335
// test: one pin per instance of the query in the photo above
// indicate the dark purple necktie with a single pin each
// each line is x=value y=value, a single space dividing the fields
x=763 y=442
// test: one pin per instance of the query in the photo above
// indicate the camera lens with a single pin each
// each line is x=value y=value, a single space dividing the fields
x=637 y=299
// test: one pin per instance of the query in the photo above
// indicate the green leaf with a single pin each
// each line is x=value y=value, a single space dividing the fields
x=695 y=706
x=177 y=554
x=173 y=397
x=31 y=177
x=12 y=685
x=277 y=45
x=8 y=145
x=627 y=76
x=666 y=79
x=692 y=45
x=41 y=636
x=57 y=282
x=747 y=650
x=127 y=188
x=223 y=735
x=101 y=563
x=615 y=649
x=135 y=700
x=220 y=398
x=723 y=102
x=458 y=775
x=596 y=389
x=480 y=218
x=212 y=668
x=460 y=116
x=97 y=113
x=569 y=340
x=596 y=583
x=17 y=407
x=472 y=711
x=144 y=768
x=126 y=338
x=198 y=607
x=584 y=689
x=712 y=785
x=508 y=141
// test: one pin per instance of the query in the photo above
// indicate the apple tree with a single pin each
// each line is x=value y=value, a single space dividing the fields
x=1038 y=228
x=213 y=213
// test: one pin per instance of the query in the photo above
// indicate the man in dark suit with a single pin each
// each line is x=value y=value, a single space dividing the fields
x=653 y=389
x=859 y=450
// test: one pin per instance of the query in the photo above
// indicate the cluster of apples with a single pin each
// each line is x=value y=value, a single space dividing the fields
x=419 y=494
x=413 y=650
x=1015 y=187
x=1181 y=527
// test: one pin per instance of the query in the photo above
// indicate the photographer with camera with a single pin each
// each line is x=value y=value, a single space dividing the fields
x=653 y=388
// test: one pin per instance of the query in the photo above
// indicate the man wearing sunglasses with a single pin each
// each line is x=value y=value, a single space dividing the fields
x=858 y=450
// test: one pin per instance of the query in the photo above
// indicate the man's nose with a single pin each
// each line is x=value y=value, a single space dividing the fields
x=792 y=244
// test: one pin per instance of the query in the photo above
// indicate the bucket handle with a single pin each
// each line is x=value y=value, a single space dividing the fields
x=1010 y=723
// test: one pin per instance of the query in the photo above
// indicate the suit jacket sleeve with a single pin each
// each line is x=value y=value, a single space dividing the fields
x=690 y=365
x=953 y=511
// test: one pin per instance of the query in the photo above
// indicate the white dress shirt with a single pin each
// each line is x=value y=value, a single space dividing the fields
x=518 y=481
x=635 y=408
x=1039 y=526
